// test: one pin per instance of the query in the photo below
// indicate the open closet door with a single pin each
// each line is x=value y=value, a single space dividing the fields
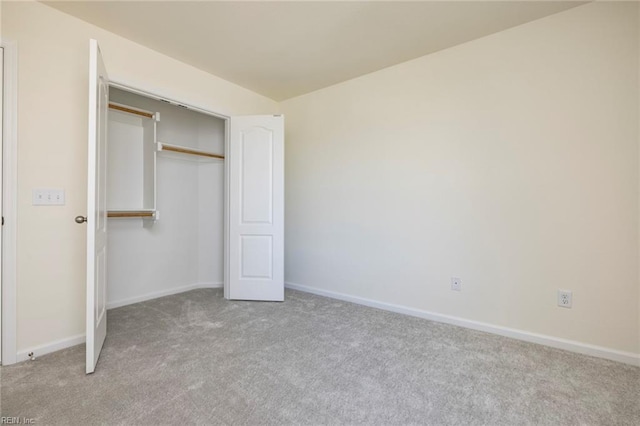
x=256 y=209
x=96 y=207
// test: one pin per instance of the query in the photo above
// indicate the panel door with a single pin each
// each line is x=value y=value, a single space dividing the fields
x=96 y=218
x=256 y=209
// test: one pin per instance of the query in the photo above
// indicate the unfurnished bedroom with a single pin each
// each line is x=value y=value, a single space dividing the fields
x=320 y=212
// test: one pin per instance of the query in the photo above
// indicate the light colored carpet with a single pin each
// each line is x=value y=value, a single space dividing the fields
x=196 y=358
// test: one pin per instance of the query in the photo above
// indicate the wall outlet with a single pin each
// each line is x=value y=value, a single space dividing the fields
x=456 y=284
x=565 y=298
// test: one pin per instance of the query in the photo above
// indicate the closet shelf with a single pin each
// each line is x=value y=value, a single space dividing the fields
x=130 y=110
x=182 y=150
x=132 y=213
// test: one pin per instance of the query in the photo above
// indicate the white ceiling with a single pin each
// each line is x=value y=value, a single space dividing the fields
x=285 y=49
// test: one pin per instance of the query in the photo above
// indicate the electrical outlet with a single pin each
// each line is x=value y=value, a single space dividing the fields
x=456 y=284
x=565 y=298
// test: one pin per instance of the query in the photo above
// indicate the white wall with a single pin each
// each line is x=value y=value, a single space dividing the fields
x=510 y=162
x=163 y=257
x=52 y=131
x=211 y=223
x=210 y=205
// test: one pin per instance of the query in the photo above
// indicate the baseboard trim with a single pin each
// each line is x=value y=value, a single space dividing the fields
x=68 y=342
x=54 y=346
x=554 y=342
x=162 y=293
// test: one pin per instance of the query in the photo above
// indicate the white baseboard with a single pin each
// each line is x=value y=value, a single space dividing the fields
x=47 y=348
x=554 y=342
x=162 y=293
x=80 y=338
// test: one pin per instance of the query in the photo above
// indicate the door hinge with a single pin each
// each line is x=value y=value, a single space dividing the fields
x=2 y=220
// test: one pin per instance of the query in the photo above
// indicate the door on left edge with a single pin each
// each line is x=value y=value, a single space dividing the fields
x=96 y=219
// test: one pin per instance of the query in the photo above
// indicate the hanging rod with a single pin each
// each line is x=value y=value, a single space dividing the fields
x=183 y=150
x=132 y=213
x=130 y=110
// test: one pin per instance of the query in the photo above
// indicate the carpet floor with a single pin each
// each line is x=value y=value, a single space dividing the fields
x=195 y=358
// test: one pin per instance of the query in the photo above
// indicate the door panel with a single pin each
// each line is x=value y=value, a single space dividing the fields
x=256 y=209
x=256 y=256
x=96 y=207
x=256 y=162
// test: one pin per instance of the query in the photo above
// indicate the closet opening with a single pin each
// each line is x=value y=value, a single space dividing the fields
x=166 y=198
x=178 y=198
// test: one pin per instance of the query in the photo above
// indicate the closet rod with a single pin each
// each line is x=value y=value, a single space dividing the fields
x=190 y=151
x=130 y=214
x=130 y=110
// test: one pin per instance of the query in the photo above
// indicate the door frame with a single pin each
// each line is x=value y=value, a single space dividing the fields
x=157 y=95
x=9 y=205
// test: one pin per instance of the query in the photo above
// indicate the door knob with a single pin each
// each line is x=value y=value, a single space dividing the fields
x=81 y=219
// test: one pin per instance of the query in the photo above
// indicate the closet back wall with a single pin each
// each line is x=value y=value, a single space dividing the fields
x=184 y=249
x=53 y=57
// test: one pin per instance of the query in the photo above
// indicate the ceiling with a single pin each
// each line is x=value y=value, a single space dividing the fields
x=285 y=49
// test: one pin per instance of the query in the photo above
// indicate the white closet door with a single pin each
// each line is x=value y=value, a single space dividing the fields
x=97 y=207
x=256 y=209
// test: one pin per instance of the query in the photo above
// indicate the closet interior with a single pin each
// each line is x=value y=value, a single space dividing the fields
x=165 y=198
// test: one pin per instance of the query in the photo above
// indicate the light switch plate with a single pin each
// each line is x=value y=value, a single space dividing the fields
x=48 y=197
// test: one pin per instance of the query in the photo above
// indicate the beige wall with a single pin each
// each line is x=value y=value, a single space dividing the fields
x=52 y=128
x=510 y=162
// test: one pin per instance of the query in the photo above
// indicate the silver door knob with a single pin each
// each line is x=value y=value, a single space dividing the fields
x=81 y=219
